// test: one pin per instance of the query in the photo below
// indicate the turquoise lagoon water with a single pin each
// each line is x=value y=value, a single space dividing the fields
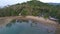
x=26 y=27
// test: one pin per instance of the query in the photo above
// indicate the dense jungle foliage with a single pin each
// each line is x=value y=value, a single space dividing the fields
x=33 y=7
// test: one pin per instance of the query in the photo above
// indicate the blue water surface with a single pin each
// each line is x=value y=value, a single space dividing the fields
x=26 y=27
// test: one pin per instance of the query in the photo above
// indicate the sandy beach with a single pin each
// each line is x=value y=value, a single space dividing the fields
x=6 y=20
x=41 y=19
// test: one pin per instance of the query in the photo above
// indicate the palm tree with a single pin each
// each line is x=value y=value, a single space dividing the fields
x=34 y=0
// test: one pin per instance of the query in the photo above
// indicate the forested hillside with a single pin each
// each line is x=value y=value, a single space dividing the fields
x=34 y=7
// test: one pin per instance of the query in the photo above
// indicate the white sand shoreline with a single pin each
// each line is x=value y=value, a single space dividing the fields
x=6 y=20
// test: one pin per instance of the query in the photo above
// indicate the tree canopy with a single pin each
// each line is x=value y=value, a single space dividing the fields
x=33 y=7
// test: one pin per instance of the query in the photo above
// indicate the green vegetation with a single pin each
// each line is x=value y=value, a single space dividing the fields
x=33 y=7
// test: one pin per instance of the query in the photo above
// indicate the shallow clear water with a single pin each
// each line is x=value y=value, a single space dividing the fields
x=26 y=27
